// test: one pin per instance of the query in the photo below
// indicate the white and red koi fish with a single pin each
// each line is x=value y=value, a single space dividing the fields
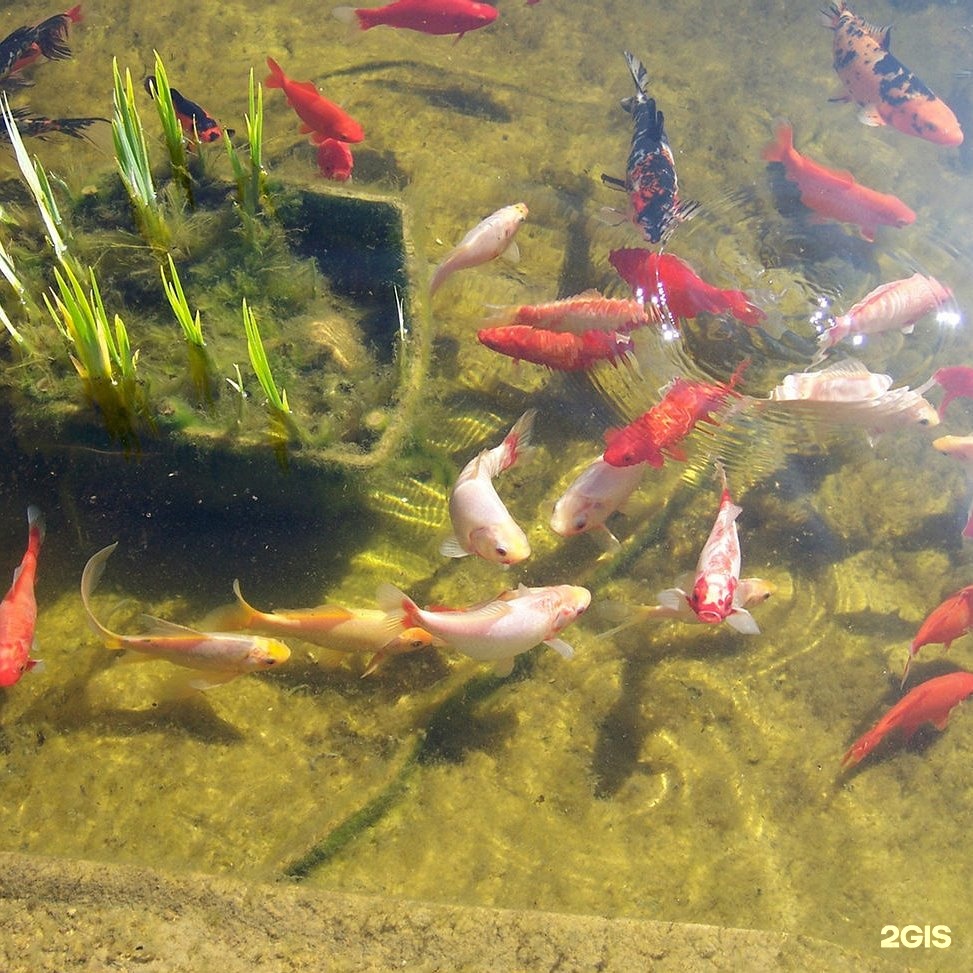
x=486 y=241
x=588 y=311
x=18 y=610
x=481 y=523
x=961 y=448
x=557 y=350
x=650 y=177
x=833 y=193
x=503 y=628
x=595 y=494
x=885 y=90
x=716 y=595
x=895 y=306
x=219 y=656
x=369 y=630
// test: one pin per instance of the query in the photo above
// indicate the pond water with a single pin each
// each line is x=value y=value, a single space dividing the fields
x=670 y=770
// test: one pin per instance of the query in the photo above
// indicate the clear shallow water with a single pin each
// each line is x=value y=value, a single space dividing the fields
x=669 y=772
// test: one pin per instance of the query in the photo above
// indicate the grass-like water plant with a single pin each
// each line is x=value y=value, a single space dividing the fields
x=251 y=180
x=132 y=157
x=201 y=371
x=172 y=131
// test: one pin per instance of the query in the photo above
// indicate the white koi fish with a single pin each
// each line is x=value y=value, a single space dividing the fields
x=595 y=494
x=221 y=656
x=961 y=448
x=716 y=594
x=895 y=306
x=501 y=629
x=487 y=240
x=481 y=523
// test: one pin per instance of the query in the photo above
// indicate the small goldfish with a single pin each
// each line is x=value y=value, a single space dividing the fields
x=560 y=351
x=18 y=610
x=716 y=595
x=944 y=624
x=885 y=90
x=331 y=626
x=317 y=114
x=957 y=383
x=335 y=160
x=486 y=241
x=961 y=448
x=219 y=655
x=499 y=630
x=481 y=523
x=833 y=193
x=930 y=702
x=426 y=16
x=196 y=123
x=588 y=311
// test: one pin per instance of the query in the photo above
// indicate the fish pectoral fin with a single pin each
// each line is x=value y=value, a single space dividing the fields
x=503 y=667
x=613 y=182
x=840 y=95
x=373 y=663
x=159 y=626
x=673 y=598
x=561 y=647
x=451 y=547
x=184 y=684
x=605 y=539
x=869 y=115
x=741 y=620
x=511 y=252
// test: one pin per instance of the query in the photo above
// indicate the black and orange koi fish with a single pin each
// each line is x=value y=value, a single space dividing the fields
x=197 y=124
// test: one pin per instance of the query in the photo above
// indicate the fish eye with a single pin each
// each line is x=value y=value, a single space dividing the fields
x=417 y=644
x=502 y=551
x=923 y=422
x=581 y=523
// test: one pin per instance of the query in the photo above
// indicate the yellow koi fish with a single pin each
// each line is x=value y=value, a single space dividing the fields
x=220 y=656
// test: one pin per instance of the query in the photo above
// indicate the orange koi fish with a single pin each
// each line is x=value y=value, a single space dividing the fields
x=369 y=630
x=588 y=311
x=335 y=160
x=426 y=16
x=833 y=193
x=316 y=113
x=956 y=382
x=953 y=618
x=886 y=91
x=18 y=610
x=668 y=283
x=220 y=656
x=930 y=702
x=196 y=123
x=560 y=351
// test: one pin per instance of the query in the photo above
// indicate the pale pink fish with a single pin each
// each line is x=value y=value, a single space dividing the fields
x=961 y=448
x=501 y=629
x=895 y=306
x=716 y=595
x=595 y=494
x=481 y=523
x=588 y=311
x=18 y=610
x=486 y=241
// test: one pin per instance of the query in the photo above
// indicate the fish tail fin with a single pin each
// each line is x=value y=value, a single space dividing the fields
x=395 y=601
x=352 y=17
x=74 y=14
x=276 y=77
x=238 y=615
x=905 y=671
x=782 y=146
x=36 y=525
x=90 y=577
x=516 y=445
x=639 y=75
x=744 y=310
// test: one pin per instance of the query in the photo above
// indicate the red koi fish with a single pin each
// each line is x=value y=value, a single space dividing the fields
x=666 y=282
x=887 y=92
x=650 y=177
x=658 y=432
x=196 y=123
x=426 y=16
x=716 y=596
x=833 y=193
x=953 y=618
x=956 y=382
x=560 y=351
x=316 y=113
x=930 y=702
x=588 y=311
x=335 y=160
x=26 y=45
x=18 y=611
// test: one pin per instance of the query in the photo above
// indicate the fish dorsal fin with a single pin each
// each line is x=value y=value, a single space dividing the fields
x=159 y=626
x=589 y=294
x=847 y=367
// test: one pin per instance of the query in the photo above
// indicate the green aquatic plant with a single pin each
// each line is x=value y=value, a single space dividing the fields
x=251 y=180
x=172 y=131
x=132 y=157
x=200 y=366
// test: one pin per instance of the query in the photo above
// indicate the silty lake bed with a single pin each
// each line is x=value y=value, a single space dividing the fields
x=673 y=771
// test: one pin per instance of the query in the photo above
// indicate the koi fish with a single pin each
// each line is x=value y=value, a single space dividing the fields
x=944 y=624
x=716 y=595
x=316 y=113
x=833 y=193
x=670 y=285
x=885 y=90
x=960 y=447
x=650 y=176
x=930 y=702
x=18 y=610
x=335 y=160
x=342 y=629
x=499 y=630
x=39 y=126
x=486 y=241
x=588 y=311
x=220 y=656
x=956 y=381
x=658 y=432
x=196 y=123
x=895 y=306
x=24 y=46
x=426 y=16
x=593 y=496
x=562 y=352
x=481 y=523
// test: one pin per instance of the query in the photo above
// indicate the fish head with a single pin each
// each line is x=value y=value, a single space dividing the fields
x=501 y=543
x=412 y=639
x=267 y=653
x=712 y=598
x=923 y=413
x=960 y=447
x=574 y=514
x=10 y=674
x=572 y=601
